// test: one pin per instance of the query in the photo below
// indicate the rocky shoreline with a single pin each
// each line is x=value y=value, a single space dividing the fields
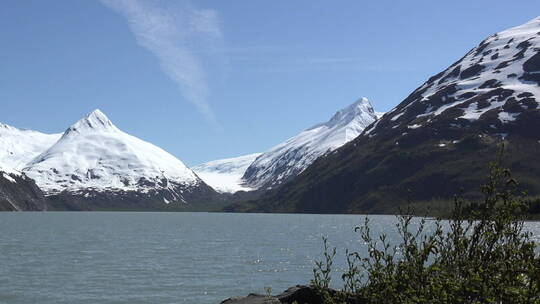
x=299 y=294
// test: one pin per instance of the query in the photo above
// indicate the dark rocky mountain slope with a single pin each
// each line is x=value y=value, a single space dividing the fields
x=19 y=193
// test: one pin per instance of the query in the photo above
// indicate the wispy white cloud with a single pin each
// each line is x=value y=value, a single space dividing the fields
x=174 y=35
x=287 y=59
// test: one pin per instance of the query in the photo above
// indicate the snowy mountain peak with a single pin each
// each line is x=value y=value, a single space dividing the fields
x=362 y=108
x=96 y=120
x=99 y=117
x=94 y=155
x=291 y=157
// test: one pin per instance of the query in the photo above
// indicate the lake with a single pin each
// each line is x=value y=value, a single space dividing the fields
x=145 y=257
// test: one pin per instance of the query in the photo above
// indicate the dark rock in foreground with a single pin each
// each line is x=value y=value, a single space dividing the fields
x=298 y=294
x=252 y=299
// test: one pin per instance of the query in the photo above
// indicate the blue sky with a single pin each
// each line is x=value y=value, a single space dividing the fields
x=214 y=79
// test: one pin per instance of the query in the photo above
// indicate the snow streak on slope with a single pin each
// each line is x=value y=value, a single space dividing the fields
x=95 y=155
x=6 y=171
x=499 y=78
x=18 y=146
x=290 y=158
x=225 y=175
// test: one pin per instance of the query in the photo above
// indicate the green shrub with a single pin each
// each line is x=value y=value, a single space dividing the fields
x=482 y=254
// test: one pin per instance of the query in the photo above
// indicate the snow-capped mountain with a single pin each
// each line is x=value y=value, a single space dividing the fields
x=19 y=146
x=440 y=140
x=225 y=175
x=291 y=157
x=94 y=156
x=494 y=84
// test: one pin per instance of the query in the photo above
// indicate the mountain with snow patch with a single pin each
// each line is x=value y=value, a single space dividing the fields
x=95 y=161
x=492 y=86
x=437 y=141
x=290 y=158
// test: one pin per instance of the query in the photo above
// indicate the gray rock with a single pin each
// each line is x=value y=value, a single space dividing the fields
x=252 y=298
x=301 y=294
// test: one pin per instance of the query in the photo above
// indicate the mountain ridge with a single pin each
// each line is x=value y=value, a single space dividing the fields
x=438 y=140
x=257 y=172
x=288 y=159
x=94 y=162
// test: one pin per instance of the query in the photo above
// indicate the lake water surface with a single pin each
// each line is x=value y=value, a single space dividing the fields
x=137 y=257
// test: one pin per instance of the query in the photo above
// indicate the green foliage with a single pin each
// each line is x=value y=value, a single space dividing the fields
x=322 y=273
x=482 y=254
